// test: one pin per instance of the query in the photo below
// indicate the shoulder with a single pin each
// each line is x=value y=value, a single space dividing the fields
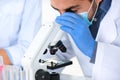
x=11 y=7
x=114 y=10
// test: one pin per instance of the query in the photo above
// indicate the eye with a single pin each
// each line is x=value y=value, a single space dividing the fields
x=75 y=11
x=70 y=10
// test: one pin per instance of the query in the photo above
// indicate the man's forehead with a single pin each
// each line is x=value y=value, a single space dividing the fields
x=65 y=1
x=63 y=4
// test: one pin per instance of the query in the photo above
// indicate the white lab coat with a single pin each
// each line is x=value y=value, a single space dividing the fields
x=107 y=65
x=19 y=22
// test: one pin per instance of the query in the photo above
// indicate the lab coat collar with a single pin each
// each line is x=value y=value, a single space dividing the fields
x=102 y=10
x=105 y=5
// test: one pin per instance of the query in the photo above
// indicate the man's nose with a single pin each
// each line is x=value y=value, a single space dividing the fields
x=61 y=12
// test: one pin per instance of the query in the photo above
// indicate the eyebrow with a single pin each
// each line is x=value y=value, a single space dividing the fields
x=67 y=9
x=70 y=8
x=54 y=8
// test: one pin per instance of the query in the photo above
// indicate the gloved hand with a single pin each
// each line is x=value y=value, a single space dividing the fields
x=79 y=31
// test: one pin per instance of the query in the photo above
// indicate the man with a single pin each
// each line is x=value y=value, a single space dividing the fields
x=94 y=27
x=19 y=22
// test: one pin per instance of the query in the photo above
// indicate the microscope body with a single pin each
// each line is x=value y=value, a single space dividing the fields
x=48 y=35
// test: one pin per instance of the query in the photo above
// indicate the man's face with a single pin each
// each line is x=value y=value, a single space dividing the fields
x=75 y=6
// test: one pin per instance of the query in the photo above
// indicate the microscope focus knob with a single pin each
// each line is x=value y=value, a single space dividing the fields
x=54 y=76
x=42 y=75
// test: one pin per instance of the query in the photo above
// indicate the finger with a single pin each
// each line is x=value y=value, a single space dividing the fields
x=67 y=18
x=65 y=23
x=66 y=29
x=73 y=15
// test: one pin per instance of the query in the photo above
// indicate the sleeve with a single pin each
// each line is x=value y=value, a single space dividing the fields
x=30 y=23
x=107 y=65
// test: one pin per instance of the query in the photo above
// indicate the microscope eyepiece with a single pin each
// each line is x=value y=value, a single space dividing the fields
x=60 y=46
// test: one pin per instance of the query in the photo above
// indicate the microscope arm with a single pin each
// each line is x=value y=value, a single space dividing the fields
x=48 y=35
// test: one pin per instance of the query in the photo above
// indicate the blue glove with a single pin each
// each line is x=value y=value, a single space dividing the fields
x=78 y=28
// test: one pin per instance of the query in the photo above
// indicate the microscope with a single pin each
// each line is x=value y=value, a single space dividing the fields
x=48 y=39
